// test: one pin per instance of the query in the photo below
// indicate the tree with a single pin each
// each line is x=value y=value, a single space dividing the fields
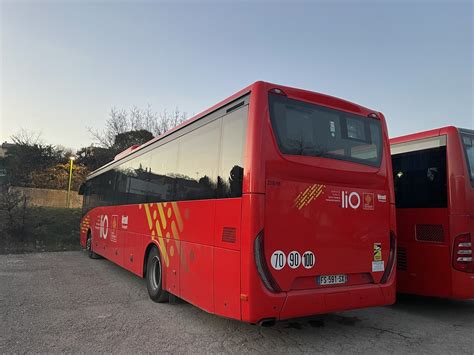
x=30 y=163
x=135 y=119
x=127 y=139
x=94 y=157
x=25 y=159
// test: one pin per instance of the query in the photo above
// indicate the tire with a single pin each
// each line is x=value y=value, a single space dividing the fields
x=91 y=254
x=154 y=279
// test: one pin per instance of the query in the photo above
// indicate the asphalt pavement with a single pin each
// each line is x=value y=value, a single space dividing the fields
x=66 y=302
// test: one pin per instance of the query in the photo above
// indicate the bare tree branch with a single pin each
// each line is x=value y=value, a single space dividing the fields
x=122 y=121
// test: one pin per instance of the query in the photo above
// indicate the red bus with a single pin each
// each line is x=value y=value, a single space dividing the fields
x=275 y=203
x=434 y=188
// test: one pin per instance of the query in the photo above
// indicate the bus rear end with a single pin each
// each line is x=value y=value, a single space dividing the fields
x=433 y=177
x=321 y=173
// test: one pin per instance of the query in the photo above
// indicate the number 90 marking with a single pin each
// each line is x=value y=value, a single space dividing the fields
x=294 y=259
x=278 y=260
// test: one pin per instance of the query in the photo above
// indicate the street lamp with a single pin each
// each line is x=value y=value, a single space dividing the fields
x=68 y=199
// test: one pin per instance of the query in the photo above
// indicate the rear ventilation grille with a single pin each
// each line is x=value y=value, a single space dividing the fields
x=430 y=233
x=402 y=259
x=228 y=234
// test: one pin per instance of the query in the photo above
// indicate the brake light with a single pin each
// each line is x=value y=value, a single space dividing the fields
x=261 y=265
x=391 y=258
x=462 y=253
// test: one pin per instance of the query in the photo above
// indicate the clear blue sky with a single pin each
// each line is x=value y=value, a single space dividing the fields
x=64 y=64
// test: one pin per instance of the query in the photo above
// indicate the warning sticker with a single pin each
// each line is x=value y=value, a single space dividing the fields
x=378 y=266
x=377 y=251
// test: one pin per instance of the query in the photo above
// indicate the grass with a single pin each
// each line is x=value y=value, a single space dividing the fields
x=45 y=229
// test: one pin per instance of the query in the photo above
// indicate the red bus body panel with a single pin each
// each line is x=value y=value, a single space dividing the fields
x=429 y=266
x=207 y=246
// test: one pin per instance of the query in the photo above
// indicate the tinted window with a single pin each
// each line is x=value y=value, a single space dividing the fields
x=468 y=142
x=121 y=184
x=138 y=174
x=197 y=163
x=163 y=169
x=204 y=163
x=107 y=188
x=307 y=129
x=420 y=178
x=231 y=170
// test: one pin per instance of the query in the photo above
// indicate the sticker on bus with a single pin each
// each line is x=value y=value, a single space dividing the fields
x=378 y=266
x=377 y=251
x=278 y=260
x=308 y=259
x=294 y=260
x=368 y=201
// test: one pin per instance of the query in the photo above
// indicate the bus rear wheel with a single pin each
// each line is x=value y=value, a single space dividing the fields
x=154 y=277
x=91 y=254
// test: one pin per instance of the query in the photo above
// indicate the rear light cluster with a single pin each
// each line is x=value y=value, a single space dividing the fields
x=462 y=254
x=262 y=267
x=391 y=258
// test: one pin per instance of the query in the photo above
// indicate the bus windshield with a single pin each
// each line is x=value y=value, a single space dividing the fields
x=307 y=129
x=468 y=142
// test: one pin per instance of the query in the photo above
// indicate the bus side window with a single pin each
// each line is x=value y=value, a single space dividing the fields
x=197 y=162
x=231 y=171
x=138 y=176
x=163 y=169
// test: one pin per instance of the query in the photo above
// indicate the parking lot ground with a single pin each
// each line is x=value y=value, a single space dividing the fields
x=66 y=302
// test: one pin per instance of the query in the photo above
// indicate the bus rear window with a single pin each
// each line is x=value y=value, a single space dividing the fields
x=467 y=138
x=307 y=129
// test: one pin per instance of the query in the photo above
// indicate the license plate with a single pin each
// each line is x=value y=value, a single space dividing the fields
x=332 y=279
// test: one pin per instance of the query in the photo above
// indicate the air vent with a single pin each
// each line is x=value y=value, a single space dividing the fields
x=430 y=233
x=228 y=234
x=402 y=259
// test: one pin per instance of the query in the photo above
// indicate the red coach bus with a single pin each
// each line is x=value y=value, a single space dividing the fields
x=275 y=203
x=434 y=188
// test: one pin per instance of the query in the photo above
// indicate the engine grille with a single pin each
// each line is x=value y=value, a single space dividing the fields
x=430 y=233
x=402 y=262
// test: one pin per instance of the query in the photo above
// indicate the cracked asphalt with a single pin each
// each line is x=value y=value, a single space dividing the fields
x=66 y=302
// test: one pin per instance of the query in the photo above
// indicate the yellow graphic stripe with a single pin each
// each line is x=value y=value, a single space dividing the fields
x=178 y=215
x=308 y=195
x=162 y=215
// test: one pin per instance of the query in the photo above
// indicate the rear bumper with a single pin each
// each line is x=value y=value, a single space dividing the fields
x=311 y=302
x=463 y=285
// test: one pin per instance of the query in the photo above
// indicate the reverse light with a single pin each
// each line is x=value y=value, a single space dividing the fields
x=262 y=266
x=462 y=253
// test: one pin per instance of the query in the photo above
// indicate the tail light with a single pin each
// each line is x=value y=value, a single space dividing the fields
x=462 y=253
x=391 y=258
x=262 y=266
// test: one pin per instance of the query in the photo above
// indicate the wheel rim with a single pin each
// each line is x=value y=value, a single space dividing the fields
x=88 y=243
x=155 y=276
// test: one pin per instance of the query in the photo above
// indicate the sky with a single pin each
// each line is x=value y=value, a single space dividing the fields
x=65 y=64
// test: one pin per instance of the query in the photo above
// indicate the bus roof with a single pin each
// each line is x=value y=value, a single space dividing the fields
x=424 y=134
x=326 y=100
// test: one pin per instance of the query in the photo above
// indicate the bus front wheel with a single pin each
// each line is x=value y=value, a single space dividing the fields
x=154 y=277
x=91 y=254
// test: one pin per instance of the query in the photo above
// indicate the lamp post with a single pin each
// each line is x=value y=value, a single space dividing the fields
x=68 y=199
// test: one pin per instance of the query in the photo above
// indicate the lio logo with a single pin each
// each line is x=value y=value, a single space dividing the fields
x=351 y=200
x=104 y=226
